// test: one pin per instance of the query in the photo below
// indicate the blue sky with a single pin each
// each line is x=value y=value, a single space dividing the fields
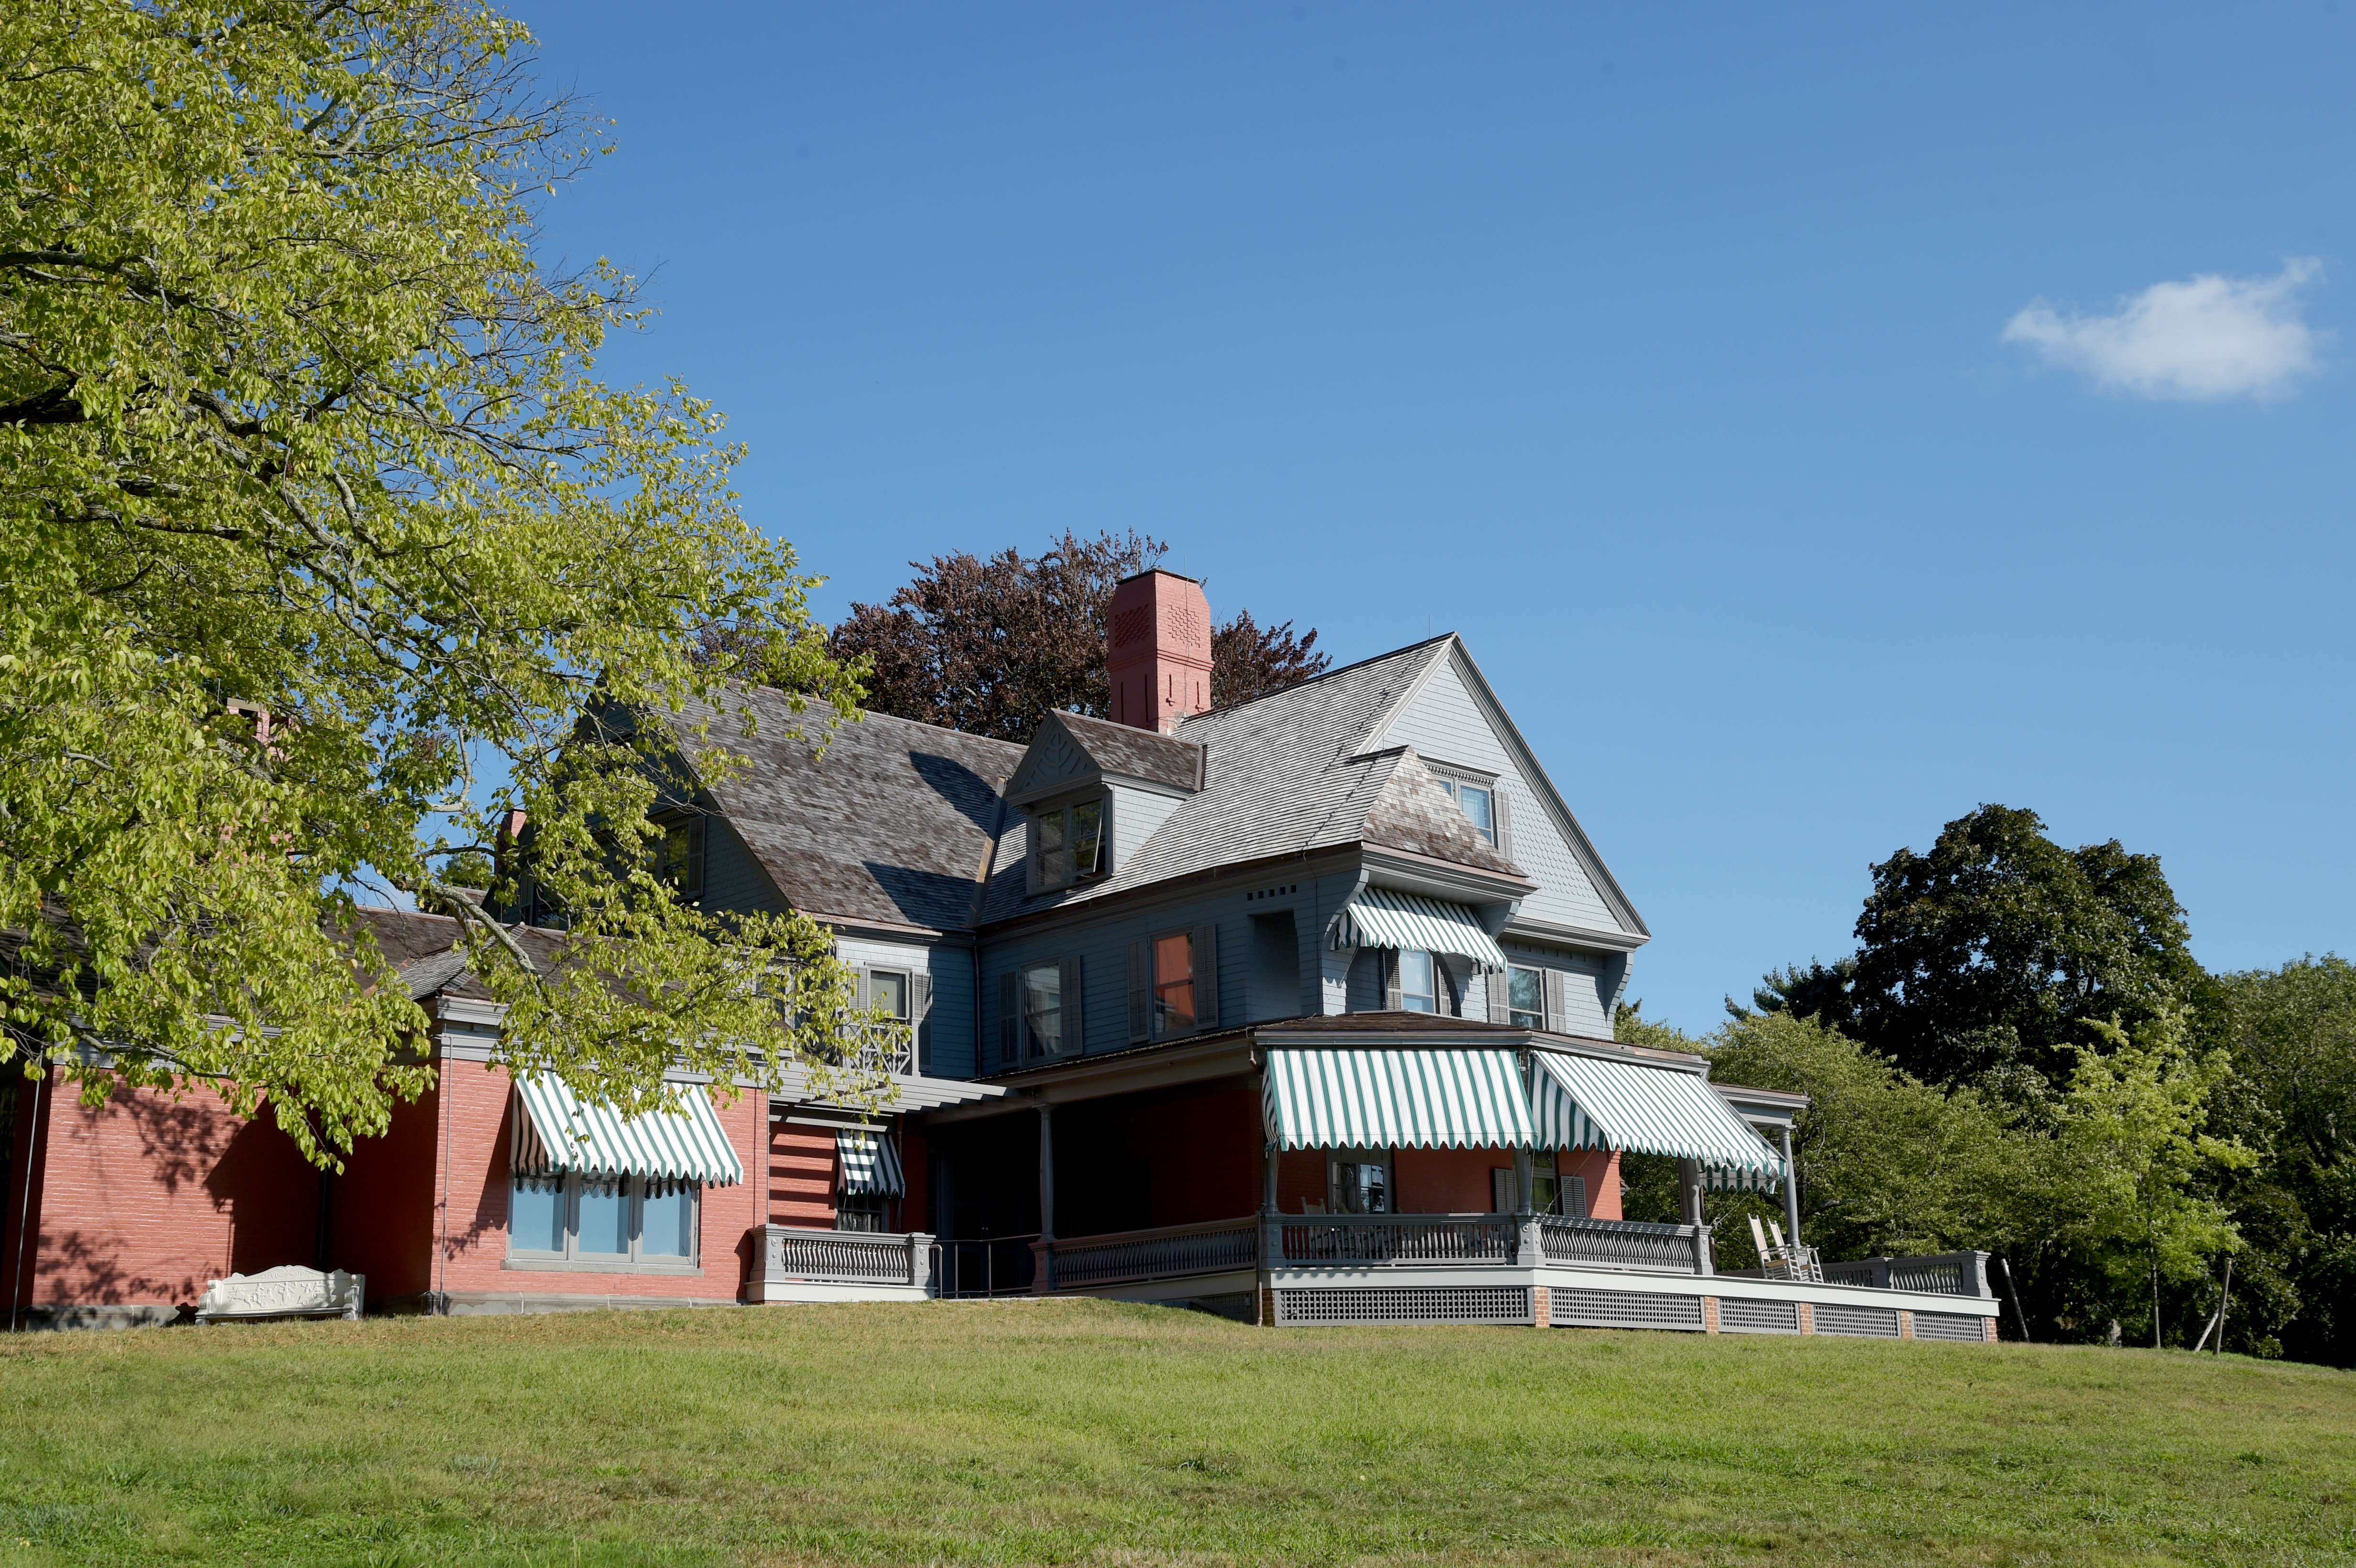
x=1818 y=422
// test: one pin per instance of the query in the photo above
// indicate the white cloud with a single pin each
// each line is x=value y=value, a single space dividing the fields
x=2204 y=339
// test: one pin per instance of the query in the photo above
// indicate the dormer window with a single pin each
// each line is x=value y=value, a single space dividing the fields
x=1066 y=844
x=1479 y=802
x=678 y=856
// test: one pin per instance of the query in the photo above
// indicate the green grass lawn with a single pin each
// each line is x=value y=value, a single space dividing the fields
x=1094 y=1432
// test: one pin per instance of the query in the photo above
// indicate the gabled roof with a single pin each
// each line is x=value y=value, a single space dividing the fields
x=1072 y=749
x=1284 y=775
x=425 y=949
x=890 y=824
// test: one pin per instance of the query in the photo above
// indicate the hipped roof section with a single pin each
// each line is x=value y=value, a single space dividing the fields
x=891 y=825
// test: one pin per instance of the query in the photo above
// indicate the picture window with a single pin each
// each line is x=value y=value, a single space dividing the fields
x=624 y=1220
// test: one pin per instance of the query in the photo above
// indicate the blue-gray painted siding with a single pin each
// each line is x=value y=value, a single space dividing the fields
x=1445 y=724
x=1135 y=812
x=732 y=878
x=950 y=970
x=1590 y=987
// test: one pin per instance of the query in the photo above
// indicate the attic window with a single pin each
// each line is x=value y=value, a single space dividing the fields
x=1066 y=844
x=678 y=855
x=1480 y=805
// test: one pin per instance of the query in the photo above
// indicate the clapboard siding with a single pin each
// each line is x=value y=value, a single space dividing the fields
x=1590 y=988
x=732 y=877
x=1135 y=812
x=1445 y=724
x=950 y=969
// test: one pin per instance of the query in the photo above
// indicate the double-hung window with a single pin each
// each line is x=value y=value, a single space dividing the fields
x=1173 y=983
x=1066 y=844
x=1359 y=1181
x=1042 y=1011
x=1478 y=801
x=1419 y=979
x=622 y=1222
x=1526 y=996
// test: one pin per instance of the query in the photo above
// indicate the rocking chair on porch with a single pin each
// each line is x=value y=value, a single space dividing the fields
x=1786 y=1260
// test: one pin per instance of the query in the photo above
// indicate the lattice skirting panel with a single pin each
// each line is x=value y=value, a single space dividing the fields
x=1737 y=1314
x=1405 y=1304
x=1623 y=1309
x=1875 y=1322
x=1946 y=1326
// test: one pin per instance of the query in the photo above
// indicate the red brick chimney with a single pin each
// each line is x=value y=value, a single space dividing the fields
x=1158 y=656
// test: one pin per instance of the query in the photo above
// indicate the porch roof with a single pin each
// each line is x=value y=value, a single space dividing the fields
x=1586 y=1102
x=1395 y=1099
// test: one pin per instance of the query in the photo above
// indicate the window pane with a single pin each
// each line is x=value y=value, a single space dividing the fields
x=668 y=1224
x=536 y=1215
x=889 y=992
x=1417 y=992
x=1043 y=1008
x=1047 y=848
x=1361 y=1187
x=1527 y=988
x=1087 y=832
x=604 y=1215
x=1173 y=983
x=1477 y=804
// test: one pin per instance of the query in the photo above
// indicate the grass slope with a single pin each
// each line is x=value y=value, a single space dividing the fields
x=1094 y=1432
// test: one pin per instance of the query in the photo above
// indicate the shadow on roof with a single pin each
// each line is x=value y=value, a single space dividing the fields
x=971 y=794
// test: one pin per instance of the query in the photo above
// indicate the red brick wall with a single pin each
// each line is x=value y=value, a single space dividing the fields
x=801 y=1176
x=472 y=1250
x=140 y=1200
x=1601 y=1170
x=381 y=1206
x=1446 y=1180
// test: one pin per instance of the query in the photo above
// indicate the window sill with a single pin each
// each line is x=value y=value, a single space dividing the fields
x=595 y=1265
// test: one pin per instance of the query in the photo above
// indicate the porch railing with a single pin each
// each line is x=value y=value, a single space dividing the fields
x=1361 y=1240
x=974 y=1267
x=889 y=1048
x=1949 y=1274
x=846 y=1257
x=1617 y=1243
x=1172 y=1251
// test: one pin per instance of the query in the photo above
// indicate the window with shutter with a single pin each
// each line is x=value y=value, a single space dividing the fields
x=1141 y=992
x=921 y=1001
x=1504 y=821
x=1393 y=1000
x=1555 y=1008
x=1073 y=1011
x=1500 y=998
x=1207 y=976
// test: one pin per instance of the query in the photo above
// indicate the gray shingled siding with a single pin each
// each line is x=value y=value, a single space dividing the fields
x=1445 y=724
x=1592 y=985
x=1135 y=812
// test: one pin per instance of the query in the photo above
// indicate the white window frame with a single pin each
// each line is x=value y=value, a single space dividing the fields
x=1067 y=871
x=1513 y=1013
x=1436 y=996
x=1035 y=1047
x=1455 y=781
x=574 y=1259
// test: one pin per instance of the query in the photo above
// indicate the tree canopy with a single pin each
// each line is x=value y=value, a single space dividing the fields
x=312 y=510
x=988 y=645
x=1999 y=946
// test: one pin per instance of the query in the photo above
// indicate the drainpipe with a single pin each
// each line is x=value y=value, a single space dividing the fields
x=24 y=1209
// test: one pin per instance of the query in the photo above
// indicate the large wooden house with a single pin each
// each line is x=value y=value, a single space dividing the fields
x=1298 y=1010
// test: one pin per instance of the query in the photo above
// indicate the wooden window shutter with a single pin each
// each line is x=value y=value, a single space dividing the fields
x=1503 y=822
x=1392 y=998
x=1501 y=999
x=1555 y=1007
x=859 y=988
x=1010 y=1019
x=1072 y=1010
x=1207 y=976
x=920 y=1014
x=1141 y=991
x=1573 y=1191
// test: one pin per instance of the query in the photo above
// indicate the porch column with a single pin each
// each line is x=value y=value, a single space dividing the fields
x=1043 y=1251
x=1791 y=1191
x=1689 y=1194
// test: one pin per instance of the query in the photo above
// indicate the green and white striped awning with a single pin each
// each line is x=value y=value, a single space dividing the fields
x=556 y=1131
x=870 y=1163
x=1379 y=917
x=1395 y=1099
x=1581 y=1101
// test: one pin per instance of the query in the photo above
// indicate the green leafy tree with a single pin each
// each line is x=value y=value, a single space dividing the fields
x=1992 y=952
x=311 y=507
x=2135 y=1176
x=2294 y=1097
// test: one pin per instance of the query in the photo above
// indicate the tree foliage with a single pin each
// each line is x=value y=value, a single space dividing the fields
x=1996 y=947
x=989 y=646
x=312 y=505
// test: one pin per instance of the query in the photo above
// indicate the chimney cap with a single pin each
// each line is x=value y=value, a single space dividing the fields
x=1160 y=571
